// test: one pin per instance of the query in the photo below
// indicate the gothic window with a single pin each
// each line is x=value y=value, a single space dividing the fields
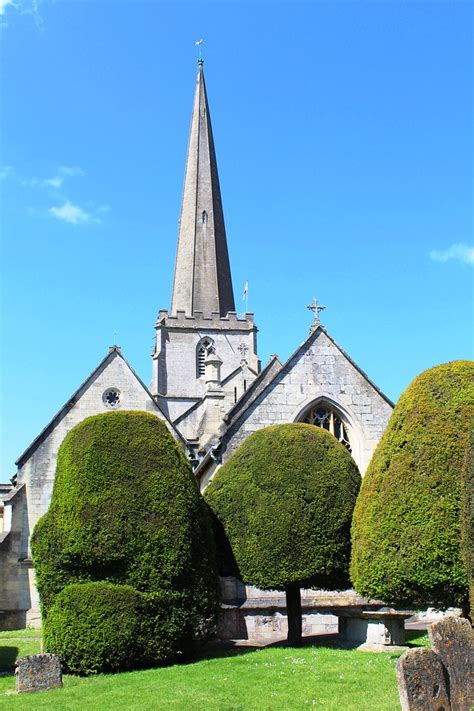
x=201 y=353
x=324 y=416
x=204 y=217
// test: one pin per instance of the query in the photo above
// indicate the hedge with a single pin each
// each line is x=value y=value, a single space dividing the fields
x=406 y=531
x=102 y=627
x=126 y=509
x=467 y=518
x=285 y=500
x=95 y=627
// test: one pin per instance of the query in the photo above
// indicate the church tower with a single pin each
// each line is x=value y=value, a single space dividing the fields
x=204 y=350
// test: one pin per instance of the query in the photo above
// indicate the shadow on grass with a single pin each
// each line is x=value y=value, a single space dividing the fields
x=8 y=656
x=229 y=648
x=416 y=638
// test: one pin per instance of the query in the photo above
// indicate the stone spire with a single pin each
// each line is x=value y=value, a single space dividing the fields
x=202 y=278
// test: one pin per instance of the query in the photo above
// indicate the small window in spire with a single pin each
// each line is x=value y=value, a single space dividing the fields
x=204 y=217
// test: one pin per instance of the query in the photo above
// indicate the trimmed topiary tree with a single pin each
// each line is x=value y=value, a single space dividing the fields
x=126 y=509
x=406 y=531
x=285 y=500
x=467 y=518
x=95 y=627
x=103 y=627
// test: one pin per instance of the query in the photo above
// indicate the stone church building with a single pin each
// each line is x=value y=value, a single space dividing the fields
x=207 y=383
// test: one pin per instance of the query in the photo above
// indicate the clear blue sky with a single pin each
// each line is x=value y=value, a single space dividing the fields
x=344 y=140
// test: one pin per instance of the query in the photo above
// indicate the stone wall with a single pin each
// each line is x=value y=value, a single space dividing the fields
x=190 y=423
x=250 y=613
x=15 y=592
x=319 y=370
x=174 y=375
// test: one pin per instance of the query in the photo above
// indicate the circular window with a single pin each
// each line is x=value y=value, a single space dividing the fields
x=111 y=397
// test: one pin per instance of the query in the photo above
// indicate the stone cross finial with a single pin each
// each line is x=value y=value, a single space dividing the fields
x=243 y=348
x=316 y=308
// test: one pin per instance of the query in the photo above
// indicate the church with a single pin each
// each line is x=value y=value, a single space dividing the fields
x=207 y=383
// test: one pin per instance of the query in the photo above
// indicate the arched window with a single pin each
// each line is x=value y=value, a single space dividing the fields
x=201 y=353
x=322 y=415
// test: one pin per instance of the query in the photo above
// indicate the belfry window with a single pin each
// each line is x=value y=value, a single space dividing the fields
x=324 y=416
x=201 y=353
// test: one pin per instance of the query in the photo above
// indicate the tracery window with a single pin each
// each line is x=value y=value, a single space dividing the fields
x=111 y=397
x=201 y=353
x=324 y=416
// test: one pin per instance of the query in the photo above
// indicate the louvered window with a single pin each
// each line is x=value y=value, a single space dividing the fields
x=201 y=354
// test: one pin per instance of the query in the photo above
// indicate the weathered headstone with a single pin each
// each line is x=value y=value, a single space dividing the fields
x=421 y=681
x=38 y=672
x=452 y=639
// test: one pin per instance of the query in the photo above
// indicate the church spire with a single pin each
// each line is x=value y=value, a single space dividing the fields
x=202 y=278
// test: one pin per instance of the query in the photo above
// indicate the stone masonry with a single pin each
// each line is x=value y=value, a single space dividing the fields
x=319 y=371
x=35 y=479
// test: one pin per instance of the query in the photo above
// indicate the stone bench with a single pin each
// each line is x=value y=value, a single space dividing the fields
x=373 y=629
x=370 y=625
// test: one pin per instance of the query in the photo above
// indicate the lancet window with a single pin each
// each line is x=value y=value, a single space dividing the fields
x=326 y=417
x=201 y=353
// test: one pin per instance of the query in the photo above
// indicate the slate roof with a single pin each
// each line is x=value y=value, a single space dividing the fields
x=199 y=402
x=268 y=376
x=114 y=352
x=265 y=376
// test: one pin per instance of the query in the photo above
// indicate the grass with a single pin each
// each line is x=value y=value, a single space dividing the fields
x=13 y=645
x=27 y=633
x=319 y=675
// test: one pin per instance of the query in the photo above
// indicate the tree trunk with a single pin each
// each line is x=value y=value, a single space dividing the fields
x=293 y=612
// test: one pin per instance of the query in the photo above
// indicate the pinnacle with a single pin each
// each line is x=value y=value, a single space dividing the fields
x=202 y=280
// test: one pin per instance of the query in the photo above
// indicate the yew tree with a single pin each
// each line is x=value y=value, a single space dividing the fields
x=285 y=500
x=408 y=522
x=125 y=515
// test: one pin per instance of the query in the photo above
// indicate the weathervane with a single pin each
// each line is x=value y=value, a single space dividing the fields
x=316 y=308
x=199 y=44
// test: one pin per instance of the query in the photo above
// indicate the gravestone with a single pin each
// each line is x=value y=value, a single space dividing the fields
x=452 y=639
x=421 y=681
x=38 y=672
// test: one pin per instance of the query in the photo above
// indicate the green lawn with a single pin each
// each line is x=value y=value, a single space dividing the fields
x=272 y=678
